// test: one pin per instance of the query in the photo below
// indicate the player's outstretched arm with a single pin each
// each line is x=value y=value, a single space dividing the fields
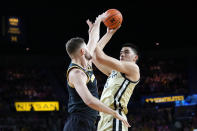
x=94 y=32
x=79 y=84
x=102 y=43
x=105 y=39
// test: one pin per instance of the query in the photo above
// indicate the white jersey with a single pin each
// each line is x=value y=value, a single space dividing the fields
x=117 y=91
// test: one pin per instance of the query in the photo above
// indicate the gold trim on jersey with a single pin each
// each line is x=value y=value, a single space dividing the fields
x=89 y=68
x=69 y=69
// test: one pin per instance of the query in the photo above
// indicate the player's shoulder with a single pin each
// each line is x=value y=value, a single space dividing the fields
x=136 y=66
x=131 y=65
x=133 y=71
x=76 y=72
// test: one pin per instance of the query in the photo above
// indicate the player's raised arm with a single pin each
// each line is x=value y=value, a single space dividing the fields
x=106 y=38
x=94 y=32
x=102 y=43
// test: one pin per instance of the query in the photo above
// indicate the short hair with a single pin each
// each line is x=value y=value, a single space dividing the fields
x=74 y=44
x=133 y=47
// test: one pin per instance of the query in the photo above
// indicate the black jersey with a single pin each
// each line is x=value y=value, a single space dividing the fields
x=75 y=102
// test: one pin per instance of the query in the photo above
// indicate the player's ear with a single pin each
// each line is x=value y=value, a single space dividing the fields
x=136 y=58
x=82 y=51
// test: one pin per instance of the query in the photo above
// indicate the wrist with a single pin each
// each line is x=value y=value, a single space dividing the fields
x=92 y=40
x=109 y=34
x=114 y=113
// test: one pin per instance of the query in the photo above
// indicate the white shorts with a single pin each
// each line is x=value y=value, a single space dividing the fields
x=109 y=123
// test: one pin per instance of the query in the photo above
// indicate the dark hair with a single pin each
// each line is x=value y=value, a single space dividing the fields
x=73 y=44
x=132 y=46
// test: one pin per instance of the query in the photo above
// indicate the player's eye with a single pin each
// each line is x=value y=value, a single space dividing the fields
x=126 y=52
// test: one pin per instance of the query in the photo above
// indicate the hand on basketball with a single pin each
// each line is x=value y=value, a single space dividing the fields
x=101 y=17
x=118 y=116
x=97 y=21
x=112 y=31
x=94 y=27
x=114 y=19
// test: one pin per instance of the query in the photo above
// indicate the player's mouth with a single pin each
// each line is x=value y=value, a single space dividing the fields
x=121 y=58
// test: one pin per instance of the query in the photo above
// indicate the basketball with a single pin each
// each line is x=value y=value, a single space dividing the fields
x=114 y=19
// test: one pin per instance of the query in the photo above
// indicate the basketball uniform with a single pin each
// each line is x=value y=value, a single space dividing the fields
x=116 y=94
x=81 y=117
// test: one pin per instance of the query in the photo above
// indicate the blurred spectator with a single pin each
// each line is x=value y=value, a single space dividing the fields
x=163 y=76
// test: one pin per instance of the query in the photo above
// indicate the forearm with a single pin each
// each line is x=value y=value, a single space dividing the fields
x=106 y=60
x=99 y=106
x=94 y=36
x=104 y=40
x=92 y=43
x=91 y=46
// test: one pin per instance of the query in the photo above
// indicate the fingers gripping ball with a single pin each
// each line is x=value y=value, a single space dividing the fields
x=114 y=19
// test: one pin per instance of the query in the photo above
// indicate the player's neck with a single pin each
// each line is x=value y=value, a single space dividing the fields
x=82 y=63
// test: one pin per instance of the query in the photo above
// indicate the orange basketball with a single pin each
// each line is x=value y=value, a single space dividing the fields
x=114 y=19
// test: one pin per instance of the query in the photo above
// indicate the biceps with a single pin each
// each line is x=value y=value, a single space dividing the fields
x=104 y=69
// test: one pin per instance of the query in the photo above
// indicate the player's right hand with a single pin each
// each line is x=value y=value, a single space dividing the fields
x=118 y=116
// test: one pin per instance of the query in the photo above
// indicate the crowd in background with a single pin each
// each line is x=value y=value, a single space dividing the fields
x=25 y=84
x=163 y=76
x=154 y=118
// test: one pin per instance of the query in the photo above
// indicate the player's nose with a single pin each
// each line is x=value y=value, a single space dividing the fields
x=122 y=55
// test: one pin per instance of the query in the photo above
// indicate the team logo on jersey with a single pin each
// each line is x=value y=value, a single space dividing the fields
x=92 y=78
x=113 y=74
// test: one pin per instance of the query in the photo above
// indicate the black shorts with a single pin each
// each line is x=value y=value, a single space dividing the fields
x=77 y=122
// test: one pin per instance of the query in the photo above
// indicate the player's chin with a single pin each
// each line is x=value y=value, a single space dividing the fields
x=88 y=57
x=121 y=59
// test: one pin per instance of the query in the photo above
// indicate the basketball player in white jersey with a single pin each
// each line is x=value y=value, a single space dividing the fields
x=123 y=76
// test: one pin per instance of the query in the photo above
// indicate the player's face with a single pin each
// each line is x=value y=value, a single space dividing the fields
x=126 y=54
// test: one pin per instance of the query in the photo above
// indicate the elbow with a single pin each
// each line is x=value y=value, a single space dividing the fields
x=94 y=57
x=98 y=57
x=89 y=101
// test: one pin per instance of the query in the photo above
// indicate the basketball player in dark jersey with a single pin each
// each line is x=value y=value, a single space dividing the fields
x=83 y=104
